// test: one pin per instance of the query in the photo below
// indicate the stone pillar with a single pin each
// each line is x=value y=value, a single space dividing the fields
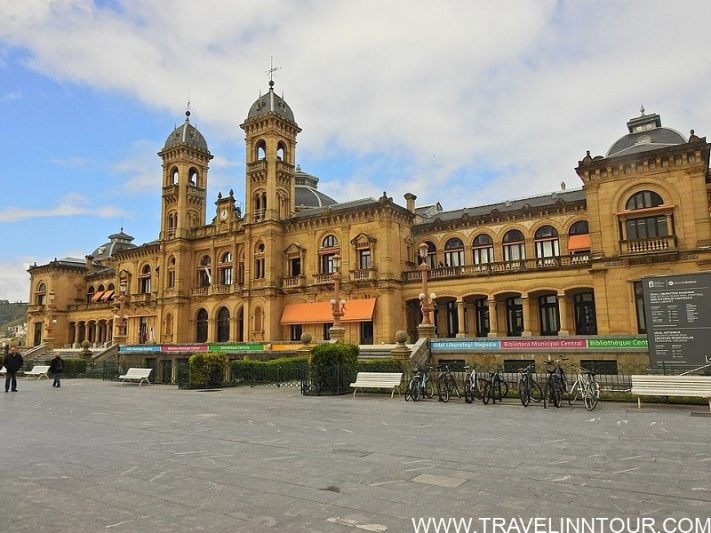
x=493 y=318
x=461 y=327
x=526 y=305
x=563 y=312
x=401 y=352
x=75 y=344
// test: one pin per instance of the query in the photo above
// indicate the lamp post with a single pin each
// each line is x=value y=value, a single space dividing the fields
x=121 y=317
x=338 y=306
x=426 y=328
x=51 y=321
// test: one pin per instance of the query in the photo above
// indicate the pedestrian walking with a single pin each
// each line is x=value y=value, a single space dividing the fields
x=13 y=363
x=56 y=366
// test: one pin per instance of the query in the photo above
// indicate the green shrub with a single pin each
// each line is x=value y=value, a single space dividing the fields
x=333 y=367
x=273 y=371
x=379 y=365
x=74 y=367
x=207 y=369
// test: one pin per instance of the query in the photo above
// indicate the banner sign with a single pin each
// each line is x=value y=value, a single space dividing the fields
x=244 y=347
x=677 y=309
x=140 y=348
x=554 y=343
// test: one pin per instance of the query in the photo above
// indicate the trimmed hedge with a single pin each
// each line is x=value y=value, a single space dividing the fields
x=333 y=367
x=273 y=371
x=380 y=365
x=74 y=367
x=208 y=369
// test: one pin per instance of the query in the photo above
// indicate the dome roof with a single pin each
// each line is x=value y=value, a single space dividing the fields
x=307 y=195
x=188 y=134
x=117 y=242
x=645 y=133
x=271 y=103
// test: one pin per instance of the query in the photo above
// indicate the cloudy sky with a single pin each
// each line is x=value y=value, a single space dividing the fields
x=462 y=102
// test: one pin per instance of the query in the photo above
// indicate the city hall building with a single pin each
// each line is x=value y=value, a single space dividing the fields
x=562 y=269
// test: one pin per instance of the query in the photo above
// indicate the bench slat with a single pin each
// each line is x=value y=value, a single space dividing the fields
x=377 y=380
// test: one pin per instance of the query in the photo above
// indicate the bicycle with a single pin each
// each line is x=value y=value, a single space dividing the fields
x=585 y=386
x=495 y=387
x=446 y=384
x=471 y=384
x=420 y=386
x=528 y=389
x=555 y=385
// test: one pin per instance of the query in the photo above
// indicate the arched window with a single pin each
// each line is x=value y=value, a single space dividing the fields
x=259 y=261
x=223 y=325
x=194 y=177
x=579 y=240
x=204 y=272
x=431 y=255
x=514 y=246
x=579 y=228
x=90 y=294
x=171 y=272
x=172 y=224
x=175 y=175
x=281 y=151
x=483 y=249
x=260 y=150
x=454 y=252
x=144 y=280
x=240 y=268
x=226 y=268
x=651 y=226
x=329 y=248
x=546 y=241
x=201 y=326
x=643 y=200
x=41 y=294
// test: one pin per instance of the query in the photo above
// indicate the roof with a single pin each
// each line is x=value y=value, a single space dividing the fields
x=271 y=103
x=363 y=202
x=186 y=134
x=117 y=242
x=645 y=133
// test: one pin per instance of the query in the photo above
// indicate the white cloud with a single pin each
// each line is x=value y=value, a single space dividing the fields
x=72 y=204
x=460 y=101
x=14 y=279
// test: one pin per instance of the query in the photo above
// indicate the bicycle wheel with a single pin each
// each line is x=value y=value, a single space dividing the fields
x=574 y=393
x=468 y=396
x=536 y=392
x=503 y=390
x=443 y=390
x=428 y=389
x=592 y=396
x=416 y=392
x=555 y=394
x=524 y=392
x=409 y=389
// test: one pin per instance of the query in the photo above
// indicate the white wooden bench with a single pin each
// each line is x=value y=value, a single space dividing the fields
x=38 y=370
x=136 y=375
x=654 y=385
x=378 y=380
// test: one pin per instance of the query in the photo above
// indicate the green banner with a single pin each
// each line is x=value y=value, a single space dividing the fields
x=618 y=343
x=242 y=347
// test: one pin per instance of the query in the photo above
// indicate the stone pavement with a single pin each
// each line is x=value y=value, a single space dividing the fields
x=98 y=456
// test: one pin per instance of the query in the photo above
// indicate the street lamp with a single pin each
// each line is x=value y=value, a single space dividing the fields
x=426 y=328
x=338 y=306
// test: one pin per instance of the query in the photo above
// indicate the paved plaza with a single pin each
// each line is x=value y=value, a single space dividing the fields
x=98 y=456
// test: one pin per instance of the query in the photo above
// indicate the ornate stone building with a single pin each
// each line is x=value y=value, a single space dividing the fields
x=558 y=265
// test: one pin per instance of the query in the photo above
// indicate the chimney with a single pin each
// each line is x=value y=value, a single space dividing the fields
x=410 y=198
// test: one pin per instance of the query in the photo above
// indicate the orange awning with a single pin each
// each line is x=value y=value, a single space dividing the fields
x=579 y=242
x=96 y=296
x=321 y=312
x=107 y=295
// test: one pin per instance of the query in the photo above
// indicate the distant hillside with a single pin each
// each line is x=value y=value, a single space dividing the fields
x=11 y=312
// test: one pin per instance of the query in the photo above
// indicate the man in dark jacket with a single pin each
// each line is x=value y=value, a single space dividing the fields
x=56 y=366
x=13 y=363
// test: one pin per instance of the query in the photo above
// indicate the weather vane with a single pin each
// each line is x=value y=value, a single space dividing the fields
x=272 y=68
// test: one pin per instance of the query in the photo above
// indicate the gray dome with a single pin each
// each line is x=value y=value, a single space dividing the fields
x=271 y=103
x=307 y=195
x=645 y=133
x=117 y=242
x=188 y=134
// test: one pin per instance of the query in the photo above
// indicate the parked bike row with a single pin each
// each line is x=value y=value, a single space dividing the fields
x=493 y=387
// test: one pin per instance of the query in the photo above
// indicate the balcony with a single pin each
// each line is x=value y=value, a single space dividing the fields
x=320 y=279
x=293 y=282
x=199 y=291
x=363 y=274
x=140 y=297
x=502 y=267
x=649 y=246
x=220 y=289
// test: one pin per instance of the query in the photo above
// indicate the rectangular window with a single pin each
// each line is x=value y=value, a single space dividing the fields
x=600 y=366
x=364 y=259
x=295 y=266
x=226 y=276
x=295 y=332
x=514 y=252
x=326 y=264
x=455 y=365
x=585 y=318
x=171 y=279
x=514 y=317
x=549 y=314
x=514 y=365
x=647 y=228
x=366 y=333
x=483 y=256
x=639 y=307
x=481 y=309
x=327 y=332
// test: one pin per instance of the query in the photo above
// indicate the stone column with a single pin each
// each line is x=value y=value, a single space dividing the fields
x=563 y=312
x=526 y=305
x=493 y=318
x=461 y=327
x=75 y=344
